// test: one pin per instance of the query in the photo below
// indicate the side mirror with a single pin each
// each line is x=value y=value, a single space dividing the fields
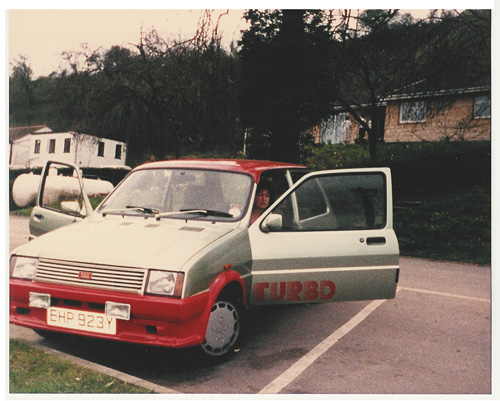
x=273 y=222
x=73 y=207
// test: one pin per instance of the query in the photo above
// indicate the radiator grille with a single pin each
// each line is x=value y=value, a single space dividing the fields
x=115 y=278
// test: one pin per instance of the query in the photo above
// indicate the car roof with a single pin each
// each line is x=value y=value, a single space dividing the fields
x=252 y=167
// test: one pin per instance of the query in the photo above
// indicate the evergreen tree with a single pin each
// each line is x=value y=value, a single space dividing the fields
x=285 y=79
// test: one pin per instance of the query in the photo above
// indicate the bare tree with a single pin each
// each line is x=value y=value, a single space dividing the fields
x=166 y=97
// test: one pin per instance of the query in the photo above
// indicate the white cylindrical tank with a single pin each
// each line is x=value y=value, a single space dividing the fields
x=25 y=188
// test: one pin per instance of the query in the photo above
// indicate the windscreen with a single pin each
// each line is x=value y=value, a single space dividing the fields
x=224 y=195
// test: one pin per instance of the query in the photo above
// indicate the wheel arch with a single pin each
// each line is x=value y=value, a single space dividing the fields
x=223 y=329
x=230 y=284
x=234 y=291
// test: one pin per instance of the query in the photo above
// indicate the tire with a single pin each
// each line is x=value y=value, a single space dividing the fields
x=224 y=331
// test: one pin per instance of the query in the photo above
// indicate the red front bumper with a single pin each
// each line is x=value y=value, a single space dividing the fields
x=154 y=320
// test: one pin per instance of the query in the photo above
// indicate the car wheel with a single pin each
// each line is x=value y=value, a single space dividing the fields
x=223 y=330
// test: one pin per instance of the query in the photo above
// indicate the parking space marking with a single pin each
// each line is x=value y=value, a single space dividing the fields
x=303 y=363
x=445 y=294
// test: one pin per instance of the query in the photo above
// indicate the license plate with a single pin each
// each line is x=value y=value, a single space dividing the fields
x=81 y=320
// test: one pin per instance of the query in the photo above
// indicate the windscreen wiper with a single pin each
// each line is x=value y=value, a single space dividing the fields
x=210 y=212
x=150 y=210
x=203 y=212
x=143 y=209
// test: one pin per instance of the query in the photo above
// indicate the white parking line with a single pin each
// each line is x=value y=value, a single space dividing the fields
x=445 y=294
x=302 y=364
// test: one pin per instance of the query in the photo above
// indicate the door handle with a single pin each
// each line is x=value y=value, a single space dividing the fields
x=39 y=216
x=375 y=241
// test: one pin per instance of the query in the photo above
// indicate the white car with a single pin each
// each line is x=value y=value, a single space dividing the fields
x=170 y=259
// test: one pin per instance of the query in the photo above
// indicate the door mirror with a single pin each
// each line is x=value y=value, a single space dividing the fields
x=73 y=207
x=273 y=222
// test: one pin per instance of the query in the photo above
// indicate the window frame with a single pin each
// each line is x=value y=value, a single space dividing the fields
x=421 y=104
x=52 y=146
x=477 y=111
x=293 y=201
x=67 y=145
x=38 y=144
x=118 y=151
x=100 y=149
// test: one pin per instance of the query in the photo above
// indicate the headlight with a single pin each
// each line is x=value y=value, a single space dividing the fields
x=165 y=283
x=22 y=267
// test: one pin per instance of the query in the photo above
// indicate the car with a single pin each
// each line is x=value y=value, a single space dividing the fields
x=169 y=258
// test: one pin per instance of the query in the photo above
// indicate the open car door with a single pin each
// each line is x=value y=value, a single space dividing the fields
x=61 y=199
x=329 y=238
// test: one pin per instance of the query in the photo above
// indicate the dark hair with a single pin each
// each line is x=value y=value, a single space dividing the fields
x=264 y=184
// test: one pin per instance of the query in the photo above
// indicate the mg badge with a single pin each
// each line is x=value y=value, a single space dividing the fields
x=85 y=275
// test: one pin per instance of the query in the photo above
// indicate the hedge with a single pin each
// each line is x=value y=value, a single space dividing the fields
x=421 y=167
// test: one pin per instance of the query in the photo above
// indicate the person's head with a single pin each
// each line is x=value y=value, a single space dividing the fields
x=263 y=195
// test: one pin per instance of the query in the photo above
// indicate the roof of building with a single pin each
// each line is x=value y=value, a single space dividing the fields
x=252 y=167
x=19 y=132
x=423 y=89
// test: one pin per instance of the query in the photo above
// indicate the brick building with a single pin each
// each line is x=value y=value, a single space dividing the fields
x=461 y=114
x=412 y=116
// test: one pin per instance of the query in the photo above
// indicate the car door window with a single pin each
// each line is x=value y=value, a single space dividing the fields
x=357 y=201
x=336 y=202
x=62 y=198
x=62 y=192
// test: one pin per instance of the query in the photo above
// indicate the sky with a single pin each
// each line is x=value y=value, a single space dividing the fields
x=41 y=35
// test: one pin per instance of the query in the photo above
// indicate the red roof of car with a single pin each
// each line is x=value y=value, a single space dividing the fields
x=253 y=167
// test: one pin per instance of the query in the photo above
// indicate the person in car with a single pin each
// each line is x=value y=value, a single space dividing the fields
x=262 y=200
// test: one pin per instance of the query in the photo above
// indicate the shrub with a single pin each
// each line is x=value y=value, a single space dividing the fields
x=416 y=167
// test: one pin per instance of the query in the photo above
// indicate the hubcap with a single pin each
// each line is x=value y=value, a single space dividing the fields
x=222 y=330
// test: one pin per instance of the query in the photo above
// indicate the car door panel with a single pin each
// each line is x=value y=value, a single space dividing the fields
x=61 y=199
x=338 y=246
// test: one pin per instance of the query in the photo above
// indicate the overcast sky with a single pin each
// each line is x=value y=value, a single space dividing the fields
x=41 y=35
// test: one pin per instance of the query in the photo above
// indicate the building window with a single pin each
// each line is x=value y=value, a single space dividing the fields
x=67 y=145
x=412 y=112
x=100 y=149
x=482 y=107
x=37 y=146
x=118 y=152
x=52 y=146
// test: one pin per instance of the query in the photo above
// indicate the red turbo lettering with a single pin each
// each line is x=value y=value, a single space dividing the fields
x=277 y=295
x=311 y=290
x=326 y=289
x=258 y=291
x=294 y=291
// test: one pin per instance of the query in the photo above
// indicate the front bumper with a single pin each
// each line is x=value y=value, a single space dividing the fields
x=157 y=321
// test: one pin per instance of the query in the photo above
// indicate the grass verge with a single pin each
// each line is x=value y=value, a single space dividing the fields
x=33 y=371
x=25 y=212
